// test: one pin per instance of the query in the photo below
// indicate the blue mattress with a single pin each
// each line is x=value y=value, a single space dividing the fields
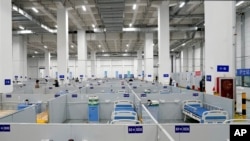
x=195 y=109
x=119 y=106
x=124 y=117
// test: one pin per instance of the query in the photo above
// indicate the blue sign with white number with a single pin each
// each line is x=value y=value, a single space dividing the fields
x=182 y=129
x=143 y=95
x=7 y=81
x=125 y=95
x=209 y=78
x=195 y=94
x=222 y=68
x=165 y=75
x=61 y=76
x=243 y=72
x=56 y=95
x=4 y=128
x=74 y=95
x=149 y=75
x=8 y=95
x=135 y=129
x=81 y=76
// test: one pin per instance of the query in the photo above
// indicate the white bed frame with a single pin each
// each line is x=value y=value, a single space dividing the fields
x=123 y=102
x=124 y=114
x=211 y=113
x=125 y=121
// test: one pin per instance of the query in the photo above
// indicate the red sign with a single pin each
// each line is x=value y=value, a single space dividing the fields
x=197 y=73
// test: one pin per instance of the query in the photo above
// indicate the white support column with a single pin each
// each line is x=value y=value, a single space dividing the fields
x=219 y=37
x=174 y=64
x=139 y=64
x=93 y=64
x=62 y=43
x=148 y=57
x=184 y=60
x=25 y=65
x=163 y=42
x=47 y=63
x=82 y=53
x=6 y=71
x=18 y=57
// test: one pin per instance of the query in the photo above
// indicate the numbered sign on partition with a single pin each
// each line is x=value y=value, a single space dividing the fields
x=8 y=95
x=125 y=95
x=4 y=128
x=182 y=129
x=143 y=95
x=135 y=129
x=165 y=75
x=81 y=76
x=195 y=94
x=74 y=95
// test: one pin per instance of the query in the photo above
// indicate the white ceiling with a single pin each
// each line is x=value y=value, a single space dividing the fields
x=186 y=23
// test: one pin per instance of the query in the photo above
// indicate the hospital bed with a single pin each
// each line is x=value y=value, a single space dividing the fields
x=203 y=113
x=124 y=113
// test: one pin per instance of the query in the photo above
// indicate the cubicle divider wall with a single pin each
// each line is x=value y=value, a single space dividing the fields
x=58 y=109
x=10 y=101
x=145 y=132
x=82 y=132
x=104 y=89
x=170 y=105
x=77 y=105
x=27 y=115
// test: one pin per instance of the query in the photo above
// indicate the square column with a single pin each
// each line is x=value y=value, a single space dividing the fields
x=219 y=40
x=19 y=57
x=47 y=63
x=6 y=71
x=93 y=64
x=82 y=54
x=139 y=64
x=149 y=57
x=62 y=43
x=164 y=68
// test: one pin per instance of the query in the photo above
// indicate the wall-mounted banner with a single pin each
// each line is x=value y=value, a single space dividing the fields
x=165 y=75
x=222 y=68
x=61 y=76
x=243 y=72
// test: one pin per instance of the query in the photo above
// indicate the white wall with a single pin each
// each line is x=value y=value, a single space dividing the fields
x=111 y=65
x=247 y=40
x=190 y=58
